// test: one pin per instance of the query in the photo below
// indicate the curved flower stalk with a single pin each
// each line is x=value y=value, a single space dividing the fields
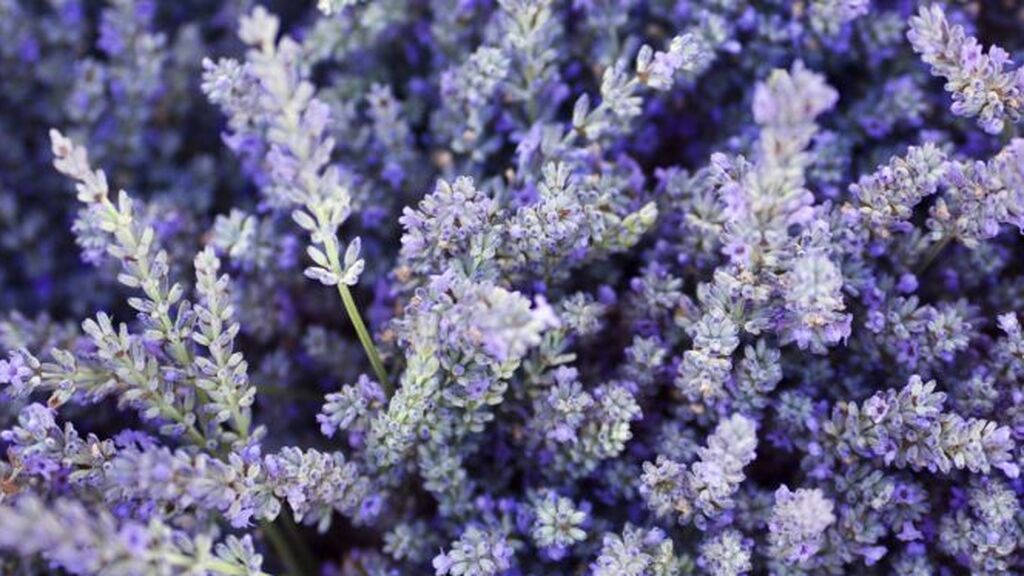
x=291 y=124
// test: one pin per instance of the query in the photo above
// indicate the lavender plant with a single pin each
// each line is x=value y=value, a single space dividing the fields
x=626 y=289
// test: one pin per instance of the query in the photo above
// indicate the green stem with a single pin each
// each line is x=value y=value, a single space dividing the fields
x=284 y=552
x=933 y=253
x=292 y=531
x=364 y=337
x=330 y=244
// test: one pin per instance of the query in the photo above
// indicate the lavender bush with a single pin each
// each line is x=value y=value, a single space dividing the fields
x=511 y=287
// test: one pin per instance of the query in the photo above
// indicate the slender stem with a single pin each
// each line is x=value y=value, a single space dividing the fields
x=933 y=253
x=330 y=244
x=284 y=552
x=292 y=531
x=364 y=337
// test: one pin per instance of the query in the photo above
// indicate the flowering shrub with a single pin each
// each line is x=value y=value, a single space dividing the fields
x=511 y=287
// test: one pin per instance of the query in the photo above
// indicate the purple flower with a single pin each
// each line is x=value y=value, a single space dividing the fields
x=15 y=372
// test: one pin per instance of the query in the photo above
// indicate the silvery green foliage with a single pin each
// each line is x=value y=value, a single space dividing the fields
x=979 y=82
x=797 y=524
x=703 y=491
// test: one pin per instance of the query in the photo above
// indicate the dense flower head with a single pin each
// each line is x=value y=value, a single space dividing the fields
x=635 y=552
x=557 y=523
x=705 y=491
x=798 y=521
x=727 y=554
x=476 y=553
x=512 y=287
x=455 y=223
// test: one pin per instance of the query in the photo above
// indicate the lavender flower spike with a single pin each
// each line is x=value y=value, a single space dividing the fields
x=980 y=84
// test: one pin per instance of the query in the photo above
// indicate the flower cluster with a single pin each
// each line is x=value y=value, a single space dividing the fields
x=705 y=490
x=797 y=524
x=509 y=287
x=980 y=84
